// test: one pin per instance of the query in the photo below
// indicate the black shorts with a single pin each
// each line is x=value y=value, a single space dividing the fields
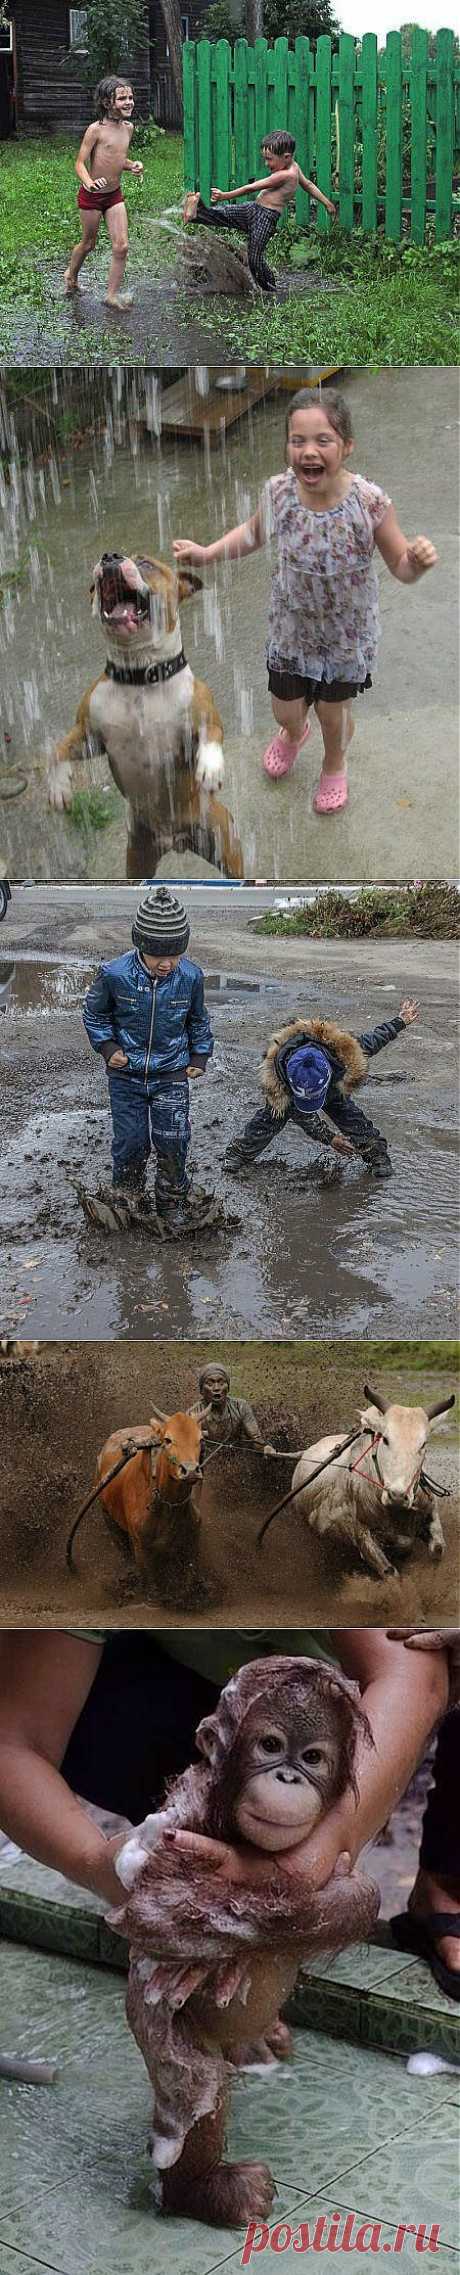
x=289 y=684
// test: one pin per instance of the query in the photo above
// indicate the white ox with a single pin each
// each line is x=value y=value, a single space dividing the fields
x=381 y=1472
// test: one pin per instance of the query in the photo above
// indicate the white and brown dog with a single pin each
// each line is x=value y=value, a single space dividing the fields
x=157 y=724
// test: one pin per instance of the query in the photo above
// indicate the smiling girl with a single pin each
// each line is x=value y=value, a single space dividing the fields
x=324 y=626
x=102 y=159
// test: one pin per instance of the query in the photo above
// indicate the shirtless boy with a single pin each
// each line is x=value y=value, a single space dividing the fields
x=259 y=220
x=102 y=159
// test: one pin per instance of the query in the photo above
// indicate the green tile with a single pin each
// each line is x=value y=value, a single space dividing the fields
x=365 y=1967
x=309 y=2211
x=15 y=2263
x=416 y=2178
x=96 y=2232
x=405 y=2030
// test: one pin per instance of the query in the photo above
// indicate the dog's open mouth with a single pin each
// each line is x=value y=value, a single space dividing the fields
x=124 y=599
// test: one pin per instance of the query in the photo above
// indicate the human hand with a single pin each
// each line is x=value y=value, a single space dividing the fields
x=193 y=1071
x=268 y=1449
x=100 y=183
x=117 y=1059
x=333 y=210
x=215 y=195
x=341 y=1144
x=184 y=549
x=421 y=555
x=409 y=1010
x=136 y=166
x=434 y=1639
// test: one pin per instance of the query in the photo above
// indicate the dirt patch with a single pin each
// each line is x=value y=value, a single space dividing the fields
x=56 y=1411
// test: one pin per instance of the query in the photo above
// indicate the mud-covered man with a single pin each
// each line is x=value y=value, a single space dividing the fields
x=231 y=1421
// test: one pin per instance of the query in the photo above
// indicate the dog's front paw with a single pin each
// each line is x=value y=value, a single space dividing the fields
x=59 y=786
x=210 y=766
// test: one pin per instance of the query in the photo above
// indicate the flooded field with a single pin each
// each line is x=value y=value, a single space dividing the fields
x=57 y=1410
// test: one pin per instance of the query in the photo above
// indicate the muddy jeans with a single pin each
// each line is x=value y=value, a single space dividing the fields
x=264 y=1126
x=145 y=1119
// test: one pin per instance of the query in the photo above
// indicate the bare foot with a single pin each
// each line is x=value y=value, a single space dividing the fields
x=428 y=1895
x=119 y=300
x=71 y=282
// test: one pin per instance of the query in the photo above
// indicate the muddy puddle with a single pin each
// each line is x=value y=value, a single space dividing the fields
x=309 y=1256
x=58 y=1409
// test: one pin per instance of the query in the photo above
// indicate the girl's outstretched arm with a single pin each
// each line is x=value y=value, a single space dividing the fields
x=246 y=539
x=406 y=559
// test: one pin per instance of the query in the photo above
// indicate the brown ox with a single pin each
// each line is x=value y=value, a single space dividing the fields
x=158 y=1464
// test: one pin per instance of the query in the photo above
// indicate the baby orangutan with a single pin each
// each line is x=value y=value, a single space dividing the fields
x=212 y=1960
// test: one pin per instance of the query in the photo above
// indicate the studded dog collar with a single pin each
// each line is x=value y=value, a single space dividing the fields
x=145 y=675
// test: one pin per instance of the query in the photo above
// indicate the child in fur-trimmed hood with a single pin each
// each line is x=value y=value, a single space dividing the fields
x=311 y=1069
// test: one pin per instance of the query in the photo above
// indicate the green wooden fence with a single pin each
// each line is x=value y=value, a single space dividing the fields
x=379 y=129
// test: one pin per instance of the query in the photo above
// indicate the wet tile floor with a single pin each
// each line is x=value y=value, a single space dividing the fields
x=344 y=2128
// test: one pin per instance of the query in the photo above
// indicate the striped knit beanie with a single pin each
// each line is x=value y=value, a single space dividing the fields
x=161 y=927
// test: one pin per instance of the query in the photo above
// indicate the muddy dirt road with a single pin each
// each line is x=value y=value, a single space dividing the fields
x=310 y=1258
x=56 y=1411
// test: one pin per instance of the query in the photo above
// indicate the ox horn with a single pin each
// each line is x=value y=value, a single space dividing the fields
x=442 y=1407
x=199 y=1413
x=157 y=1413
x=380 y=1403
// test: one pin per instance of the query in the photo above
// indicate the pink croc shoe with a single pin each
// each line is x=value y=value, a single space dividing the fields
x=332 y=792
x=280 y=755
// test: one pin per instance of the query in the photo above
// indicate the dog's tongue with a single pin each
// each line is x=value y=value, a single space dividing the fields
x=124 y=616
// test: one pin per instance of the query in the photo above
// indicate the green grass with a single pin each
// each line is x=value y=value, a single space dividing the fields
x=417 y=912
x=40 y=223
x=365 y=300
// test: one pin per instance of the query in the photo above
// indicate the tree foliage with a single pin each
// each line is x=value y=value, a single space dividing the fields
x=115 y=29
x=294 y=17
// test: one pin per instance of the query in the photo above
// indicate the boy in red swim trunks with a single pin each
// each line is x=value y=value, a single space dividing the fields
x=102 y=158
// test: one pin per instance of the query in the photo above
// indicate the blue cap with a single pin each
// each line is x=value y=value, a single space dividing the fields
x=308 y=1073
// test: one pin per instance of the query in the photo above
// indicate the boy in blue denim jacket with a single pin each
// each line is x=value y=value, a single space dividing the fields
x=146 y=1015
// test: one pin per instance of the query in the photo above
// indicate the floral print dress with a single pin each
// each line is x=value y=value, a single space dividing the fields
x=324 y=607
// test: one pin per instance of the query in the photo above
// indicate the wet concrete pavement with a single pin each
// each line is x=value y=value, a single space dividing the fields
x=127 y=488
x=308 y=1259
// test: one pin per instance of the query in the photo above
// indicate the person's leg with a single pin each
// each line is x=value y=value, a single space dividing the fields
x=292 y=717
x=222 y=216
x=130 y=1124
x=261 y=227
x=90 y=225
x=337 y=728
x=137 y=1728
x=170 y=1134
x=117 y=225
x=255 y=1137
x=366 y=1139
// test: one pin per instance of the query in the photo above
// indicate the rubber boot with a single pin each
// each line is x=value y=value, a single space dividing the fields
x=378 y=1163
x=234 y=1160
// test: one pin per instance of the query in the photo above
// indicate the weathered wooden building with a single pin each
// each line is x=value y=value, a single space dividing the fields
x=42 y=74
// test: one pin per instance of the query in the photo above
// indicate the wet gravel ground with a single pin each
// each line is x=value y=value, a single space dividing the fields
x=311 y=1258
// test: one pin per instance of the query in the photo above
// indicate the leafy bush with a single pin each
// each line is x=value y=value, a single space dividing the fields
x=114 y=31
x=218 y=22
